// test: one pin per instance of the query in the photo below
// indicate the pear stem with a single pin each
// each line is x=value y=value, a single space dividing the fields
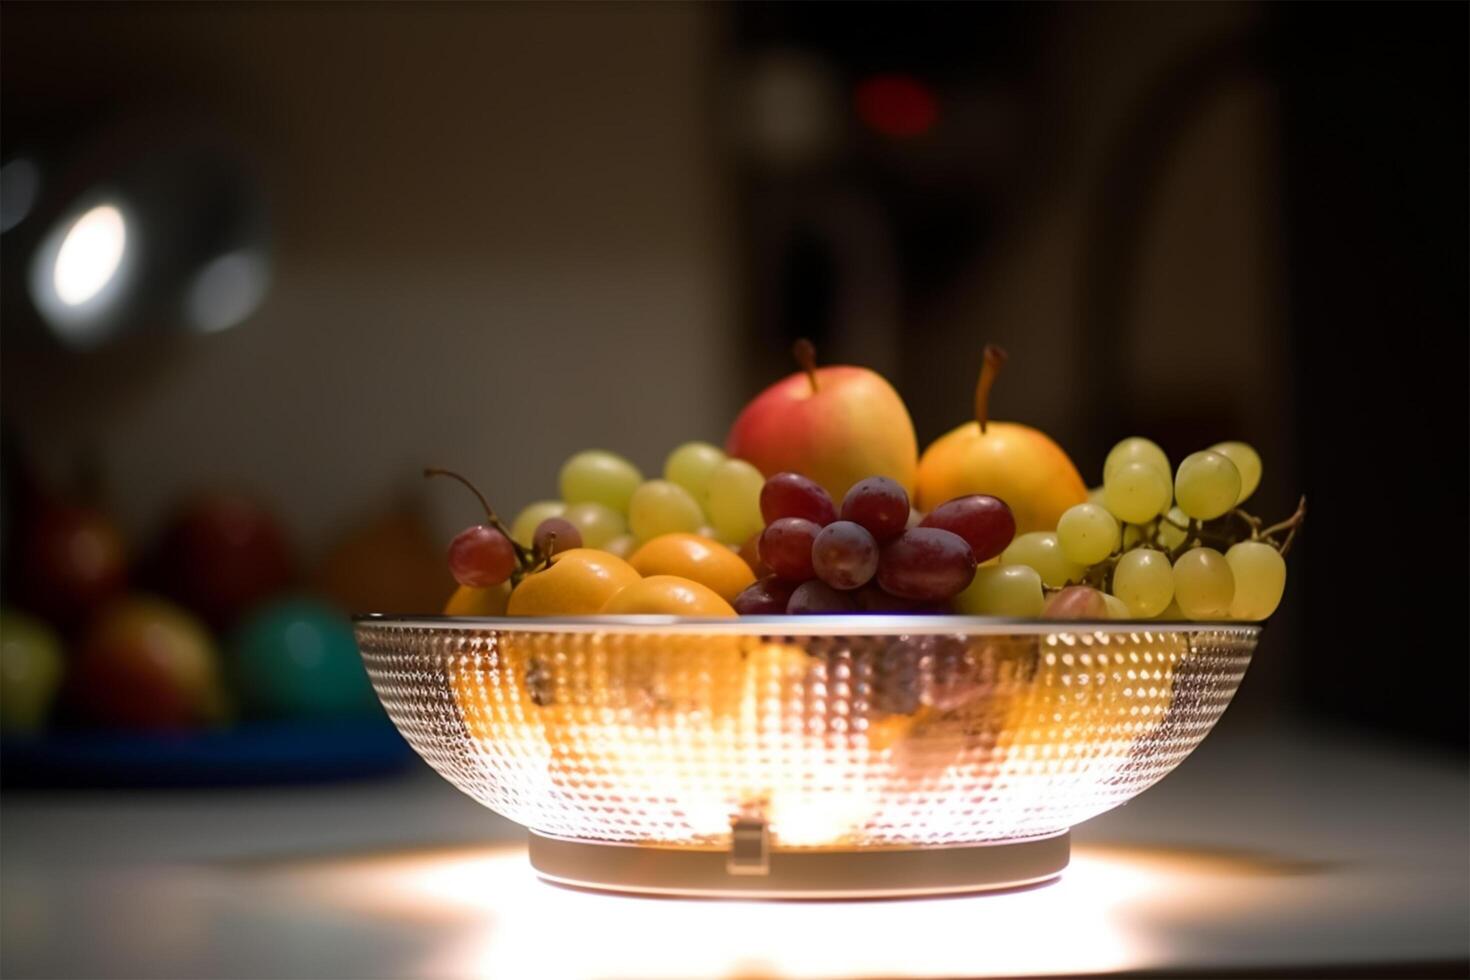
x=805 y=353
x=995 y=359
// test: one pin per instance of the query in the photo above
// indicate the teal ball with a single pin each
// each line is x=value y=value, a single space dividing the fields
x=298 y=659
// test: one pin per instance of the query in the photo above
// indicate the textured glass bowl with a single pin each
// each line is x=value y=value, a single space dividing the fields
x=844 y=732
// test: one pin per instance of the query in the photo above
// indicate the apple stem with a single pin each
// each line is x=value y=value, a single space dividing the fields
x=995 y=359
x=805 y=353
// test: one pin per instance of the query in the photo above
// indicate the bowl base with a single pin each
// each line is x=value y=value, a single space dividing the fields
x=890 y=872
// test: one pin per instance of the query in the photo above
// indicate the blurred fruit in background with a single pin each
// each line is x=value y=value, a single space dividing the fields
x=391 y=563
x=221 y=555
x=31 y=667
x=297 y=659
x=145 y=663
x=72 y=561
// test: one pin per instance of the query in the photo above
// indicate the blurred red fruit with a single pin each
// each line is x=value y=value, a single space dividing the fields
x=221 y=556
x=146 y=664
x=73 y=561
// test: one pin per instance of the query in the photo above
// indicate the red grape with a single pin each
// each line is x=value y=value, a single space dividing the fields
x=844 y=555
x=985 y=522
x=555 y=535
x=926 y=563
x=872 y=599
x=786 y=547
x=481 y=557
x=793 y=495
x=878 y=504
x=817 y=597
x=768 y=597
x=751 y=552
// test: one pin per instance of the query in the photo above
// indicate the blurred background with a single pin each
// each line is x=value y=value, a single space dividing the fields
x=264 y=263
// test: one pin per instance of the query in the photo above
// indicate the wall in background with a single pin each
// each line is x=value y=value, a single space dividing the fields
x=499 y=236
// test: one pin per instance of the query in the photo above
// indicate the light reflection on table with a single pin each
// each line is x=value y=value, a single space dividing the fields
x=509 y=923
x=1270 y=853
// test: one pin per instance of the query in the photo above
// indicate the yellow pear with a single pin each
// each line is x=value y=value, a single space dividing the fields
x=1020 y=465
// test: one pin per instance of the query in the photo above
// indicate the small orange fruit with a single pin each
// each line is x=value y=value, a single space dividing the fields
x=700 y=559
x=578 y=583
x=468 y=601
x=667 y=595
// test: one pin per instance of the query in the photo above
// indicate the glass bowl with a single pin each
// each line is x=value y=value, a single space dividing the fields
x=796 y=755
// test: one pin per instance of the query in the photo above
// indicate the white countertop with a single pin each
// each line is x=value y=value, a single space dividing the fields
x=1267 y=851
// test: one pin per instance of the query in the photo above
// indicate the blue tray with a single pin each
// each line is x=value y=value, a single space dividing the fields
x=254 y=753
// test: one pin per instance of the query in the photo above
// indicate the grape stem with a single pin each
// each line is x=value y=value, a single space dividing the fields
x=805 y=353
x=1193 y=538
x=1251 y=519
x=994 y=360
x=1218 y=535
x=525 y=557
x=1291 y=525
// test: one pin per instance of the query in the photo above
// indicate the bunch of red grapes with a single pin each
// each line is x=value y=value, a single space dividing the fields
x=874 y=554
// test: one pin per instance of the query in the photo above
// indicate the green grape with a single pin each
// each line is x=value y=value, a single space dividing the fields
x=1041 y=550
x=1171 y=536
x=1087 y=534
x=1143 y=579
x=623 y=545
x=523 y=528
x=1207 y=485
x=1172 y=613
x=1260 y=578
x=1095 y=496
x=1204 y=586
x=598 y=524
x=1002 y=590
x=1136 y=449
x=1136 y=492
x=660 y=507
x=1117 y=608
x=599 y=477
x=691 y=464
x=734 y=500
x=1247 y=461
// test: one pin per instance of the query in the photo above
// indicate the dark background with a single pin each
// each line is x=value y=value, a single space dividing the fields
x=503 y=233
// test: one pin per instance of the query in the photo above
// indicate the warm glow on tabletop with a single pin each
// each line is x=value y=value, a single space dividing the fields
x=1267 y=854
x=1102 y=915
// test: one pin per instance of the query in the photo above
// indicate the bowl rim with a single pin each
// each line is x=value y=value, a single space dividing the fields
x=788 y=625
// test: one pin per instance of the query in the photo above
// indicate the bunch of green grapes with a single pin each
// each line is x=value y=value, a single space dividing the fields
x=606 y=498
x=1153 y=542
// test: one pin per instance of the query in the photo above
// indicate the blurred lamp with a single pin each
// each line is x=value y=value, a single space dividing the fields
x=19 y=181
x=153 y=226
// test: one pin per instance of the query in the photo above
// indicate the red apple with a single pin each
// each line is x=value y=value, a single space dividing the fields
x=222 y=555
x=144 y=663
x=836 y=425
x=73 y=560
